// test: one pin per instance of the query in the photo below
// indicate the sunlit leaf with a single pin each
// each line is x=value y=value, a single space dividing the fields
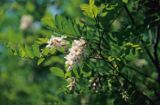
x=125 y=1
x=57 y=71
x=40 y=61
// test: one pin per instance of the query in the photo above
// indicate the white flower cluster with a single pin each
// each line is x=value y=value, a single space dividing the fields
x=26 y=22
x=74 y=56
x=57 y=42
x=75 y=53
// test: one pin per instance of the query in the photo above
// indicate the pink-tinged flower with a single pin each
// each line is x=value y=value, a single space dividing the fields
x=26 y=22
x=75 y=54
x=75 y=50
x=70 y=57
x=79 y=43
x=69 y=65
x=56 y=42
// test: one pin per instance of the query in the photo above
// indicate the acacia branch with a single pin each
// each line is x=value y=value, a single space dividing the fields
x=139 y=72
x=130 y=82
x=155 y=46
x=129 y=14
x=133 y=22
x=154 y=58
x=147 y=51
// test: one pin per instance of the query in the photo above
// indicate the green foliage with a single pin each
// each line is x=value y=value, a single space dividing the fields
x=125 y=1
x=90 y=9
x=57 y=71
x=48 y=21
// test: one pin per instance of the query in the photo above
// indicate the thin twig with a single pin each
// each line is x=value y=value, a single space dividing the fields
x=130 y=82
x=147 y=51
x=155 y=46
x=129 y=14
x=141 y=73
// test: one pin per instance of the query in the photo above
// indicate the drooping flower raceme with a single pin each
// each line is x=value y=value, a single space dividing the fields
x=75 y=53
x=57 y=42
x=26 y=22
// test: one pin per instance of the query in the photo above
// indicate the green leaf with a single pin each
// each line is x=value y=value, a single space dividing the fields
x=76 y=72
x=36 y=50
x=54 y=59
x=84 y=6
x=57 y=71
x=47 y=20
x=125 y=1
x=58 y=21
x=41 y=40
x=91 y=2
x=40 y=61
x=86 y=74
x=29 y=52
x=90 y=9
x=45 y=51
x=67 y=74
x=21 y=51
x=95 y=11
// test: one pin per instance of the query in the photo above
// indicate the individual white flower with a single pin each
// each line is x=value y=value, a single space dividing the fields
x=79 y=43
x=69 y=61
x=56 y=42
x=26 y=22
x=70 y=56
x=69 y=65
x=76 y=50
x=75 y=54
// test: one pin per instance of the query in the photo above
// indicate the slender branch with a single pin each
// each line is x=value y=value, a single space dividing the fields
x=147 y=51
x=155 y=46
x=130 y=82
x=155 y=52
x=141 y=73
x=133 y=22
x=154 y=57
x=129 y=14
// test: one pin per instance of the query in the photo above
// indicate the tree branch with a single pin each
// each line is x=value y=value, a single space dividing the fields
x=129 y=14
x=147 y=51
x=141 y=73
x=155 y=46
x=130 y=82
